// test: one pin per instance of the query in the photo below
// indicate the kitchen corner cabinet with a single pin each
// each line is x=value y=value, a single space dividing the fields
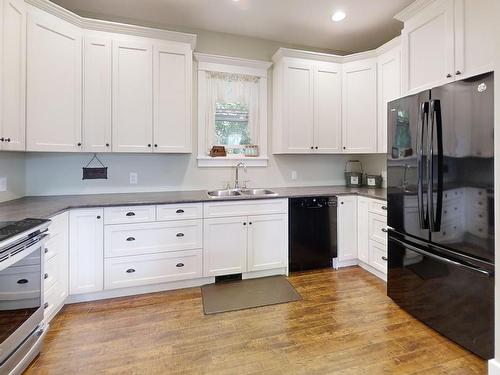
x=13 y=75
x=86 y=251
x=97 y=59
x=389 y=88
x=54 y=84
x=132 y=96
x=359 y=106
x=307 y=107
x=347 y=224
x=447 y=40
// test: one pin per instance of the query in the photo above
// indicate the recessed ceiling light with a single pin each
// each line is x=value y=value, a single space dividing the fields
x=338 y=16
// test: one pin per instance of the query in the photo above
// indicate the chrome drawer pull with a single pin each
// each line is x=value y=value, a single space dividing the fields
x=22 y=281
x=46 y=250
x=130 y=213
x=179 y=235
x=46 y=276
x=179 y=211
x=45 y=305
x=384 y=208
x=384 y=230
x=130 y=239
x=179 y=265
x=130 y=270
x=384 y=259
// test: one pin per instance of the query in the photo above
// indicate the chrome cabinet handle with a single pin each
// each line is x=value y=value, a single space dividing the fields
x=179 y=235
x=45 y=305
x=384 y=208
x=130 y=214
x=46 y=250
x=458 y=72
x=130 y=270
x=46 y=276
x=179 y=265
x=384 y=259
x=129 y=239
x=448 y=75
x=384 y=230
x=22 y=281
x=179 y=211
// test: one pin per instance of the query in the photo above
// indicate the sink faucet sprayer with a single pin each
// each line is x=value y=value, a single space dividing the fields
x=237 y=178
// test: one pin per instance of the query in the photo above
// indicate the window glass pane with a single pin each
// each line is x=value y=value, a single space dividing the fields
x=231 y=127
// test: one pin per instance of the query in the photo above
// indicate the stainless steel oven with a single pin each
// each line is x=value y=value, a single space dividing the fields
x=21 y=299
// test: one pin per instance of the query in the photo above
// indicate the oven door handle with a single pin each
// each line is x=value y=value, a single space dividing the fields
x=444 y=260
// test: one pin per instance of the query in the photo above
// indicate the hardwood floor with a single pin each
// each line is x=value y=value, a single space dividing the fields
x=345 y=324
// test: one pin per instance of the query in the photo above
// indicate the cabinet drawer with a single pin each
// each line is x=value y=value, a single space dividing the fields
x=129 y=214
x=59 y=224
x=150 y=238
x=246 y=208
x=55 y=245
x=377 y=227
x=378 y=207
x=152 y=269
x=378 y=256
x=179 y=211
x=53 y=298
x=51 y=270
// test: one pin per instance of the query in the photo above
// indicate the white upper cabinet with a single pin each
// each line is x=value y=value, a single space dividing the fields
x=97 y=94
x=298 y=115
x=307 y=106
x=13 y=77
x=359 y=108
x=132 y=96
x=172 y=76
x=389 y=88
x=54 y=87
x=328 y=108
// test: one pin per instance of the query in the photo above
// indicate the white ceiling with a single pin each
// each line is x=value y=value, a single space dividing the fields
x=369 y=23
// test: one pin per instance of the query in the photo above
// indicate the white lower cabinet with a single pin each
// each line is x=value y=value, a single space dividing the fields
x=86 y=250
x=56 y=273
x=225 y=246
x=148 y=269
x=347 y=224
x=245 y=243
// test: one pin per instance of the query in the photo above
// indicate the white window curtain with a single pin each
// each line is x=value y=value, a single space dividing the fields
x=232 y=88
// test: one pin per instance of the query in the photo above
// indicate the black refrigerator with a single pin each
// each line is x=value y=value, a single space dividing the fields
x=440 y=179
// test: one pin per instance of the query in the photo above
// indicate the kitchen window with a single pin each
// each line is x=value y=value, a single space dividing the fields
x=232 y=110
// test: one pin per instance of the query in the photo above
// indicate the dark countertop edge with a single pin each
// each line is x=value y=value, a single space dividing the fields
x=21 y=205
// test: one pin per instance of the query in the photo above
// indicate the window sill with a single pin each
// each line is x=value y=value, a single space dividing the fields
x=231 y=161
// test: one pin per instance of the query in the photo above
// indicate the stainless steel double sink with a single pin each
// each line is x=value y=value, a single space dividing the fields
x=234 y=193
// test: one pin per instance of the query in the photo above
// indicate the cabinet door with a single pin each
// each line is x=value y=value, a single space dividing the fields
x=347 y=224
x=327 y=108
x=298 y=107
x=54 y=87
x=86 y=251
x=389 y=88
x=428 y=47
x=267 y=242
x=363 y=229
x=13 y=68
x=359 y=97
x=474 y=37
x=132 y=96
x=97 y=94
x=225 y=246
x=172 y=97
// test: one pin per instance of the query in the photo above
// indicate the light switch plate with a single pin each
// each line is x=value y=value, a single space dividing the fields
x=294 y=175
x=133 y=178
x=3 y=184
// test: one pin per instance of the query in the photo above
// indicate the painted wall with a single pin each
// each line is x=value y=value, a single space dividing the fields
x=12 y=166
x=55 y=173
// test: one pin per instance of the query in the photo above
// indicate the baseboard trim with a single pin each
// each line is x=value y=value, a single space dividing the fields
x=123 y=292
x=265 y=273
x=372 y=270
x=344 y=263
x=493 y=367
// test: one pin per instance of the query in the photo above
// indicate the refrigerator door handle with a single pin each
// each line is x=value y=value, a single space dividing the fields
x=424 y=118
x=436 y=128
x=442 y=259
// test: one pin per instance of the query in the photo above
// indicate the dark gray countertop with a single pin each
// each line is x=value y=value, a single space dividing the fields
x=47 y=206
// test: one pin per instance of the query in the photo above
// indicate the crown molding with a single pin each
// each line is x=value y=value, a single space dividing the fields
x=207 y=60
x=359 y=56
x=308 y=55
x=391 y=44
x=113 y=27
x=412 y=9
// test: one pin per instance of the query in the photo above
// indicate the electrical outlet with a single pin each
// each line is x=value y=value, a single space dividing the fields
x=294 y=175
x=3 y=184
x=133 y=178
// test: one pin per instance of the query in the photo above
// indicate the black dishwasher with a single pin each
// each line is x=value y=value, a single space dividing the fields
x=312 y=232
